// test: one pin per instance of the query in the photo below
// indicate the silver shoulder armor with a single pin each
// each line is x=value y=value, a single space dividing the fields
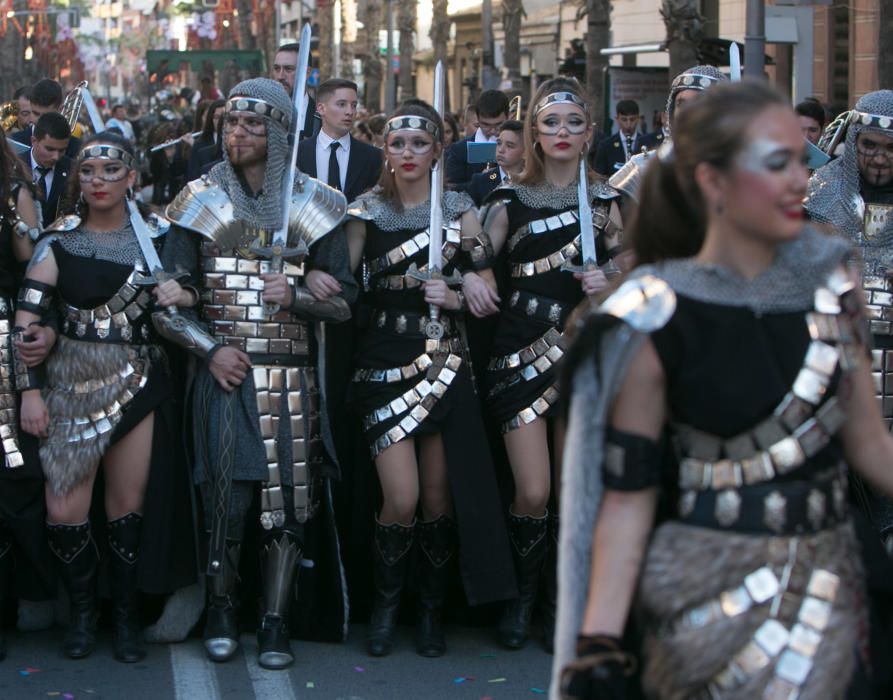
x=157 y=225
x=316 y=209
x=65 y=223
x=628 y=179
x=205 y=208
x=646 y=303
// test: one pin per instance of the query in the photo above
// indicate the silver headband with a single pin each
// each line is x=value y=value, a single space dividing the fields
x=559 y=98
x=875 y=121
x=411 y=123
x=260 y=107
x=105 y=151
x=694 y=81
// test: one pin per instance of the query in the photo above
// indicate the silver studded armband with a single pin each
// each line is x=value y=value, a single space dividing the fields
x=186 y=333
x=35 y=297
x=26 y=378
x=478 y=251
x=333 y=309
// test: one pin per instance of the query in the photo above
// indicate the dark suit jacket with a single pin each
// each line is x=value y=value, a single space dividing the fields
x=203 y=152
x=24 y=136
x=458 y=169
x=482 y=184
x=363 y=165
x=611 y=156
x=49 y=202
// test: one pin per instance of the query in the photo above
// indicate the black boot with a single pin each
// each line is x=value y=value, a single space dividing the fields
x=528 y=536
x=76 y=551
x=124 y=547
x=390 y=556
x=550 y=581
x=5 y=578
x=221 y=635
x=282 y=557
x=437 y=540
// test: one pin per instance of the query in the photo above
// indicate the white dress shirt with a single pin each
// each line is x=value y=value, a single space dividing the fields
x=323 y=151
x=36 y=175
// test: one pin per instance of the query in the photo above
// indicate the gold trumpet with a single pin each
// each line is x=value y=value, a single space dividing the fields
x=9 y=116
x=71 y=107
x=835 y=132
x=515 y=108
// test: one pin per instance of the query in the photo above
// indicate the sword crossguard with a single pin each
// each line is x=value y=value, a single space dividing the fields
x=277 y=254
x=159 y=276
x=454 y=279
x=568 y=266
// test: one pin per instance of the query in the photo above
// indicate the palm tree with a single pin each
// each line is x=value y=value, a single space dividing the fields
x=685 y=29
x=372 y=69
x=885 y=45
x=440 y=35
x=598 y=37
x=512 y=12
x=325 y=17
x=406 y=22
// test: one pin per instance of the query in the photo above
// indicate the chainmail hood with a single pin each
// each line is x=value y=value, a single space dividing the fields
x=695 y=78
x=787 y=285
x=265 y=211
x=834 y=194
x=372 y=206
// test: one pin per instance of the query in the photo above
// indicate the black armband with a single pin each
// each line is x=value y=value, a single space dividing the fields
x=600 y=670
x=25 y=377
x=632 y=462
x=35 y=297
x=478 y=251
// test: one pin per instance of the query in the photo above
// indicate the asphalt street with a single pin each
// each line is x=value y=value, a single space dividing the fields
x=475 y=668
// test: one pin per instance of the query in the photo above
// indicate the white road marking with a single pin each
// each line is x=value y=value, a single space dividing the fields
x=194 y=675
x=268 y=685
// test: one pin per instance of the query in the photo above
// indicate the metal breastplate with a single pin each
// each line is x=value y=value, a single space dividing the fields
x=123 y=318
x=877 y=216
x=878 y=291
x=233 y=308
x=9 y=419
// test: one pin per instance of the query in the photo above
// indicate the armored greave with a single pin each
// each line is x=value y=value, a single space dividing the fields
x=550 y=584
x=390 y=556
x=437 y=540
x=76 y=551
x=124 y=544
x=281 y=558
x=221 y=636
x=528 y=537
x=5 y=577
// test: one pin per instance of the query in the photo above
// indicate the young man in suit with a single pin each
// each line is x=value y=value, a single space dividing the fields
x=285 y=64
x=492 y=111
x=509 y=162
x=618 y=148
x=49 y=165
x=333 y=155
x=46 y=96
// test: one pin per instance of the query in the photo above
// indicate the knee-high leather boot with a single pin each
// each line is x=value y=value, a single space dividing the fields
x=124 y=546
x=437 y=540
x=221 y=635
x=528 y=537
x=550 y=581
x=282 y=557
x=390 y=555
x=76 y=552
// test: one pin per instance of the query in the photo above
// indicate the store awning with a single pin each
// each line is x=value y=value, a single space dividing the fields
x=247 y=60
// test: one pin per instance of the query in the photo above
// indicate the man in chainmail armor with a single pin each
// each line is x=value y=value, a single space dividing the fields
x=258 y=403
x=854 y=193
x=685 y=87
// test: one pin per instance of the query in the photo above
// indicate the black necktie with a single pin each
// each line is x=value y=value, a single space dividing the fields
x=334 y=170
x=42 y=182
x=629 y=147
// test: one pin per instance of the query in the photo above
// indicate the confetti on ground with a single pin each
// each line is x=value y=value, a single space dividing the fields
x=462 y=679
x=311 y=684
x=53 y=693
x=68 y=696
x=496 y=680
x=359 y=669
x=486 y=697
x=538 y=691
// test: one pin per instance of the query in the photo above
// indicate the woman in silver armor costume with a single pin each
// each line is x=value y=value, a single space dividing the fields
x=104 y=396
x=25 y=562
x=416 y=395
x=535 y=220
x=742 y=342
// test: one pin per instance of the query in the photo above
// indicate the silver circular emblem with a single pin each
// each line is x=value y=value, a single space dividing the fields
x=241 y=105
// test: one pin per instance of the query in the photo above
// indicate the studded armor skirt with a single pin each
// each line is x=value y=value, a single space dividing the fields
x=737 y=616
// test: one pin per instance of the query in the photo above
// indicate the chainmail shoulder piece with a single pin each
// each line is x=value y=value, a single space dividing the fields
x=835 y=190
x=119 y=246
x=372 y=206
x=265 y=211
x=545 y=195
x=788 y=284
x=709 y=71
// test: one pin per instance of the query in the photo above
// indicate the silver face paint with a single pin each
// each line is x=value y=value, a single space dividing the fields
x=764 y=156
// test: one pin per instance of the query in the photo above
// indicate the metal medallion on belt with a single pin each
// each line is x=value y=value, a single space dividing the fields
x=877 y=216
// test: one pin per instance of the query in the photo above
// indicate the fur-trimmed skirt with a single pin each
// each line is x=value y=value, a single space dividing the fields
x=738 y=616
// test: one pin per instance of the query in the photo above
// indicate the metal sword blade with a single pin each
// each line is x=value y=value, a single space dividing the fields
x=734 y=63
x=93 y=112
x=144 y=238
x=587 y=233
x=435 y=228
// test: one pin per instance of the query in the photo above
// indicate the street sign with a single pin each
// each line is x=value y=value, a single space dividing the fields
x=313 y=78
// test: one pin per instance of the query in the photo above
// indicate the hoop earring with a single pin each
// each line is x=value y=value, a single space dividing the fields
x=80 y=206
x=129 y=193
x=388 y=167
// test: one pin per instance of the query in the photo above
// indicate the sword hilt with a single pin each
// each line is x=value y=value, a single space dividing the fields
x=568 y=266
x=277 y=254
x=434 y=329
x=159 y=276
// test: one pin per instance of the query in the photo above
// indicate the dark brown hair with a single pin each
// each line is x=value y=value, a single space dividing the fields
x=330 y=86
x=412 y=107
x=671 y=219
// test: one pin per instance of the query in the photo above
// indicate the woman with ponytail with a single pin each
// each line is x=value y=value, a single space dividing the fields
x=415 y=393
x=534 y=223
x=740 y=345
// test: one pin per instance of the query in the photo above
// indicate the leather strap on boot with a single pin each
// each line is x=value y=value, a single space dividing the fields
x=437 y=540
x=528 y=538
x=221 y=635
x=124 y=547
x=76 y=551
x=390 y=554
x=282 y=556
